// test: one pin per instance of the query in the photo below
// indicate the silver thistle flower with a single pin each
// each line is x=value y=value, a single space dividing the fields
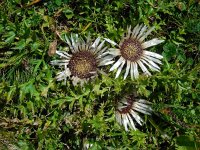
x=83 y=60
x=128 y=109
x=131 y=50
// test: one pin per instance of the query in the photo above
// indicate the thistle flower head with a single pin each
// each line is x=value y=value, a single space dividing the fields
x=131 y=51
x=128 y=109
x=83 y=60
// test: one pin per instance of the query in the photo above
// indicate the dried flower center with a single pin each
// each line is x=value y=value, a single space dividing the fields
x=131 y=50
x=128 y=106
x=83 y=64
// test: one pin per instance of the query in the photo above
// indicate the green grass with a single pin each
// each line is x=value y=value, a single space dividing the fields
x=38 y=112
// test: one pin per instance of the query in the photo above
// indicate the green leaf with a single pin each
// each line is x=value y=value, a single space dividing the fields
x=169 y=51
x=10 y=37
x=58 y=2
x=187 y=141
x=68 y=13
x=20 y=45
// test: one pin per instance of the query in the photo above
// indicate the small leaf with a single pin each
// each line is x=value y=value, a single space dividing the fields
x=11 y=37
x=58 y=2
x=169 y=50
x=20 y=45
